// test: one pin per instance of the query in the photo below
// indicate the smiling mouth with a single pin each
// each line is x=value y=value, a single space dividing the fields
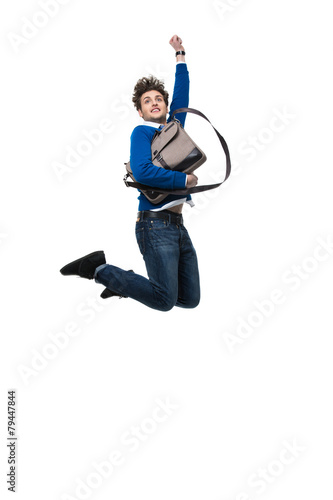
x=155 y=110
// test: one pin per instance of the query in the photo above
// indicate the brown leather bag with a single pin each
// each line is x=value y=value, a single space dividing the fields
x=173 y=149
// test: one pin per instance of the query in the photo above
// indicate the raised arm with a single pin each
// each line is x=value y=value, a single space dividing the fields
x=143 y=169
x=180 y=98
x=177 y=43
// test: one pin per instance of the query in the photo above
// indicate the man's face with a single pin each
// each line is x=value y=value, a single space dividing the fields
x=153 y=107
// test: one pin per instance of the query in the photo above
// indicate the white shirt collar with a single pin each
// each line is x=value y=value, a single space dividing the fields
x=152 y=124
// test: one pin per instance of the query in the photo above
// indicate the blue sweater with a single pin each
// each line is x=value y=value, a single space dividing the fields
x=142 y=167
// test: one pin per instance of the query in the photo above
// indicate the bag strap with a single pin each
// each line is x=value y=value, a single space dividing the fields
x=221 y=139
x=195 y=189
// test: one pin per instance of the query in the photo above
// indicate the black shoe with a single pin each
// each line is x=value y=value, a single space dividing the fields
x=85 y=267
x=109 y=293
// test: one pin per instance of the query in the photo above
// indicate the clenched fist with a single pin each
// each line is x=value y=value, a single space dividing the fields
x=176 y=42
x=191 y=180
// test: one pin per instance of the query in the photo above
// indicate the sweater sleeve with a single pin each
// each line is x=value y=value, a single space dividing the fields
x=180 y=98
x=143 y=168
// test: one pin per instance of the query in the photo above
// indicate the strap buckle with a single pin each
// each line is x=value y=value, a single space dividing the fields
x=126 y=176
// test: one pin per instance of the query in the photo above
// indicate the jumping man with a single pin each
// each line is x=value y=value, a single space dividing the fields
x=169 y=255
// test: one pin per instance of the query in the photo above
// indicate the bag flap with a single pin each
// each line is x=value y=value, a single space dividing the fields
x=164 y=137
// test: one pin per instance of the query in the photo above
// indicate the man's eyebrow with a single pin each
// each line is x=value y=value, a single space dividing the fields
x=148 y=97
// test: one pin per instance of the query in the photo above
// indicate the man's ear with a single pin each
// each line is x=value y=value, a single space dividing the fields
x=140 y=113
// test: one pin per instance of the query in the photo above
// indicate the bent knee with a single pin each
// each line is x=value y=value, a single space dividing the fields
x=193 y=304
x=166 y=303
x=190 y=303
x=167 y=306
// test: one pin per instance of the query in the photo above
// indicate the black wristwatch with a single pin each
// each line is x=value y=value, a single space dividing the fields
x=180 y=53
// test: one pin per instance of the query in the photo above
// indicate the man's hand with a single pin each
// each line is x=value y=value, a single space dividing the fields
x=176 y=43
x=191 y=180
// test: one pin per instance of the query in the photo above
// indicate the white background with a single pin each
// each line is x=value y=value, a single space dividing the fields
x=235 y=406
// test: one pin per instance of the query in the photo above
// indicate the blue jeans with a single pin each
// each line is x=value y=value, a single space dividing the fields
x=171 y=264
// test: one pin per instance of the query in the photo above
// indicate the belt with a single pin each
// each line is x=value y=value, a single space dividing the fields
x=163 y=214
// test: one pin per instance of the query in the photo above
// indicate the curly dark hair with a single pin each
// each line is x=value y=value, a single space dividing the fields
x=145 y=85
